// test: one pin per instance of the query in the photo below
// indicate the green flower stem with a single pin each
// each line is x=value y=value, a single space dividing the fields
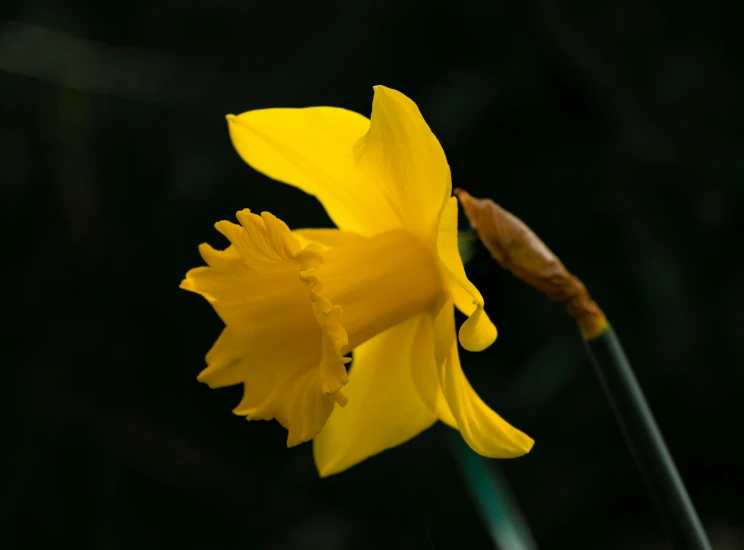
x=645 y=441
x=490 y=491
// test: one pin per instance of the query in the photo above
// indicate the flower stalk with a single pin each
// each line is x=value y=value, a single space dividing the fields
x=646 y=442
x=516 y=248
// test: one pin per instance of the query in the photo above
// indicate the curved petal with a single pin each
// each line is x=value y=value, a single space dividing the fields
x=426 y=376
x=371 y=176
x=384 y=408
x=402 y=153
x=312 y=149
x=477 y=332
x=485 y=431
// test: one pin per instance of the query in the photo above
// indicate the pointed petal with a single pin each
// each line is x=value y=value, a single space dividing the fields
x=402 y=153
x=477 y=332
x=384 y=408
x=312 y=149
x=485 y=431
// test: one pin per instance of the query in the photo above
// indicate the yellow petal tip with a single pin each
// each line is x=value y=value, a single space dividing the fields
x=329 y=468
x=326 y=472
x=477 y=332
x=522 y=445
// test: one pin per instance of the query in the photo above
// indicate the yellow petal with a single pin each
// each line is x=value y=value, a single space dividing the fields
x=426 y=376
x=477 y=332
x=384 y=408
x=485 y=431
x=312 y=149
x=401 y=152
x=371 y=177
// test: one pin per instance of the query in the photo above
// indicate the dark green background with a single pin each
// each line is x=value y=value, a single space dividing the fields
x=615 y=129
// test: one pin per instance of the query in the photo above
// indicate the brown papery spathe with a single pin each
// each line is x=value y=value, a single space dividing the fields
x=516 y=248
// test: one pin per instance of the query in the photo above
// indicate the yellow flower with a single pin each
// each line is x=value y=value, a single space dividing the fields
x=295 y=303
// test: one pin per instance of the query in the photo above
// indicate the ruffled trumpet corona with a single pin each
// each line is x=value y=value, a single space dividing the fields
x=383 y=287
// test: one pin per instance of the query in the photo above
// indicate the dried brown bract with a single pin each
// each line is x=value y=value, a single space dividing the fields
x=516 y=248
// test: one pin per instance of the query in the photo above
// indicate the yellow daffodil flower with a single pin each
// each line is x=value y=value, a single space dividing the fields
x=383 y=285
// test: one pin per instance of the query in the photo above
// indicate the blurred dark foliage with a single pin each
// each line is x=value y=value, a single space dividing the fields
x=615 y=129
